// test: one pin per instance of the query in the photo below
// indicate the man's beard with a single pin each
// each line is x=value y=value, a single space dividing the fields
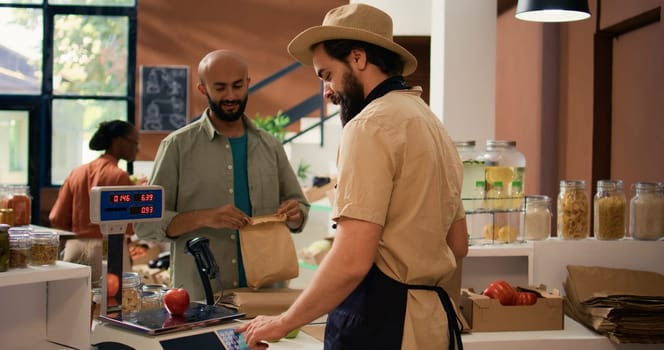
x=351 y=100
x=218 y=112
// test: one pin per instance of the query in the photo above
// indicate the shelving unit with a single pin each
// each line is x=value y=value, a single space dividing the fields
x=46 y=307
x=545 y=262
x=509 y=261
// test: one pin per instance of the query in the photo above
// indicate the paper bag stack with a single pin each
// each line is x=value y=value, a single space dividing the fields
x=625 y=305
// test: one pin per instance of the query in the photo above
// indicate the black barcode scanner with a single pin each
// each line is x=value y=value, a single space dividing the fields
x=199 y=247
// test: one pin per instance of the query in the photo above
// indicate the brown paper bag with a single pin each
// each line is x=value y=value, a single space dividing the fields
x=268 y=251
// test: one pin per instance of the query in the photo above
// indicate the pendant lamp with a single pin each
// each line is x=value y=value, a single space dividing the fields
x=552 y=10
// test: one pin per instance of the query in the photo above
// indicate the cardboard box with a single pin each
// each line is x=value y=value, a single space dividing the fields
x=488 y=315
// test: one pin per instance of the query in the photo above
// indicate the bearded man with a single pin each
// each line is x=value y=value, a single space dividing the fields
x=216 y=173
x=400 y=221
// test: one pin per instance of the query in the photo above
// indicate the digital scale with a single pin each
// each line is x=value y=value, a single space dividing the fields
x=203 y=326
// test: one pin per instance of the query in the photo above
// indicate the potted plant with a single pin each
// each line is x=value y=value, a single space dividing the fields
x=303 y=172
x=275 y=125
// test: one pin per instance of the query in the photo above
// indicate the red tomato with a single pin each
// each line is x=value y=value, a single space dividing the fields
x=112 y=284
x=176 y=301
x=502 y=291
x=525 y=298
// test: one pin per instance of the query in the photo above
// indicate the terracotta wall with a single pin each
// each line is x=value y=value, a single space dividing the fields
x=544 y=80
x=172 y=32
x=545 y=96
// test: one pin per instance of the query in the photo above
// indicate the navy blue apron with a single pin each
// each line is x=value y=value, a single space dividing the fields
x=373 y=315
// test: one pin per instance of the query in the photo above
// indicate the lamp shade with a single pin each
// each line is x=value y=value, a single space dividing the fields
x=552 y=10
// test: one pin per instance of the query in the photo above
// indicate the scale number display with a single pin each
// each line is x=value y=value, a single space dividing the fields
x=126 y=203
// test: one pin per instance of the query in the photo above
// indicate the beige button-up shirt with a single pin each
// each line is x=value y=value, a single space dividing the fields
x=398 y=168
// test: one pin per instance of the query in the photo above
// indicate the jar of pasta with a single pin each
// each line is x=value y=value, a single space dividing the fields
x=646 y=211
x=572 y=210
x=609 y=210
x=44 y=247
x=131 y=293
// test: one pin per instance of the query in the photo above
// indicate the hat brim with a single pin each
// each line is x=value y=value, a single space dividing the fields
x=300 y=46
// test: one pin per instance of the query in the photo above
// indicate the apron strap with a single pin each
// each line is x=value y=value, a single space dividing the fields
x=454 y=325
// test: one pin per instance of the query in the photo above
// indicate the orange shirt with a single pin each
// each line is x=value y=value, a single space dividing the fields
x=71 y=211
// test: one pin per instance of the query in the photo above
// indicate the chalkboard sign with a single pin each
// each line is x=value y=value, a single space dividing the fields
x=164 y=93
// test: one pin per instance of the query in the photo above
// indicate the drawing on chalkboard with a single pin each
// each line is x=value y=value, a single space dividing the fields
x=164 y=97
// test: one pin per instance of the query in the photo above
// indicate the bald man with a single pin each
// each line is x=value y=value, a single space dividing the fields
x=216 y=173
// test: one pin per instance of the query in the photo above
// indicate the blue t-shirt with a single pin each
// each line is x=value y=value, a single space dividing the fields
x=240 y=190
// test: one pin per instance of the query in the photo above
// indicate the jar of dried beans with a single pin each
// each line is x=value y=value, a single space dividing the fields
x=572 y=210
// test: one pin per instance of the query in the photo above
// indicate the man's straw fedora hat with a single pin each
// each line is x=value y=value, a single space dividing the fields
x=355 y=22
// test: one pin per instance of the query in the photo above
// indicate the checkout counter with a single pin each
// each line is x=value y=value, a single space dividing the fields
x=56 y=313
x=204 y=325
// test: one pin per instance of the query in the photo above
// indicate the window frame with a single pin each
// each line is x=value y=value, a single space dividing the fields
x=40 y=107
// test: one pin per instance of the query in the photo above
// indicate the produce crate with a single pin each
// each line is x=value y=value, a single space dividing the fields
x=488 y=315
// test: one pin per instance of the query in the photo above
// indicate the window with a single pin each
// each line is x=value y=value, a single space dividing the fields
x=21 y=52
x=14 y=147
x=67 y=66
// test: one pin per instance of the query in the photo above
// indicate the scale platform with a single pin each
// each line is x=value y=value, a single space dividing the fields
x=201 y=327
x=159 y=321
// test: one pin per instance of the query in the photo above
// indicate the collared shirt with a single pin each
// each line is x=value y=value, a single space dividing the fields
x=398 y=168
x=194 y=164
x=71 y=211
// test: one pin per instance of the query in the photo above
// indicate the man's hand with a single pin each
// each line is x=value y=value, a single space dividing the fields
x=293 y=213
x=261 y=328
x=228 y=216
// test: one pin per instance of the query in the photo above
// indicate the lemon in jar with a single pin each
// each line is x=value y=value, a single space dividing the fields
x=501 y=174
x=507 y=234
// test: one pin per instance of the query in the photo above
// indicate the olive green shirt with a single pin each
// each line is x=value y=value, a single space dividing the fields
x=194 y=165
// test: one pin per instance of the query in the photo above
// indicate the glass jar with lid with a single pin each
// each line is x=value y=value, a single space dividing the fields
x=149 y=301
x=131 y=293
x=4 y=247
x=646 y=211
x=7 y=216
x=17 y=197
x=572 y=210
x=506 y=165
x=609 y=210
x=157 y=290
x=19 y=247
x=473 y=171
x=537 y=218
x=44 y=246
